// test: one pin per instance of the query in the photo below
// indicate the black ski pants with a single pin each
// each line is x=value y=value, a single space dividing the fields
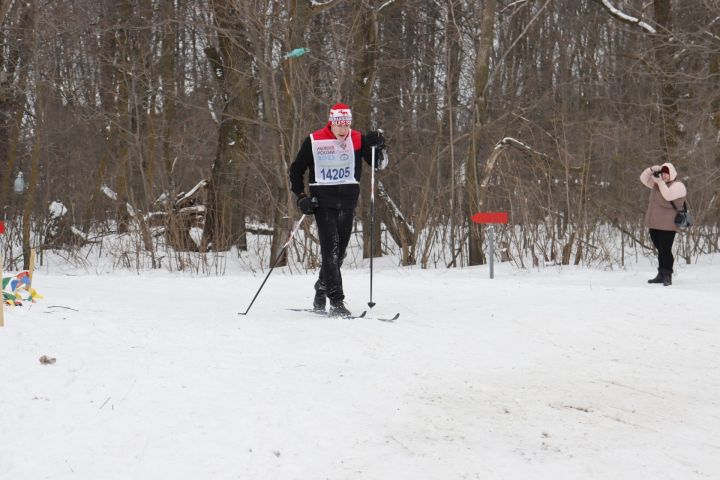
x=334 y=229
x=663 y=241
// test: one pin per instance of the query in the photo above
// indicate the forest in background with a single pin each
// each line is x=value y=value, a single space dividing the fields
x=159 y=119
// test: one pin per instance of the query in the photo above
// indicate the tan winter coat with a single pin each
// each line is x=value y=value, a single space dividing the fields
x=660 y=214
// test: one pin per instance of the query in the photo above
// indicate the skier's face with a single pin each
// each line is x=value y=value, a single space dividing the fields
x=340 y=131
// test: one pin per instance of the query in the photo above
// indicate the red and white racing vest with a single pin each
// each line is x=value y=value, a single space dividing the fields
x=334 y=158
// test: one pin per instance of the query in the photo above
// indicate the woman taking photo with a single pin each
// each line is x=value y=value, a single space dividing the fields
x=666 y=197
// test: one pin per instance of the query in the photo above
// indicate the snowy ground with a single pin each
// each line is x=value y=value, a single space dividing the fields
x=552 y=374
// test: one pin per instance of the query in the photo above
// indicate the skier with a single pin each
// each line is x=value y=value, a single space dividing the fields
x=333 y=157
x=666 y=196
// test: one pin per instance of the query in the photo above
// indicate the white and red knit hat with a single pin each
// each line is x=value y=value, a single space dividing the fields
x=340 y=114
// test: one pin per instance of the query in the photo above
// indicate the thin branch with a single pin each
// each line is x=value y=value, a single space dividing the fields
x=624 y=17
x=386 y=4
x=4 y=9
x=513 y=4
x=316 y=6
x=522 y=34
x=509 y=141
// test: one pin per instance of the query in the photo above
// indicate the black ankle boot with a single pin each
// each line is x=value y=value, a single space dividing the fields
x=667 y=278
x=658 y=278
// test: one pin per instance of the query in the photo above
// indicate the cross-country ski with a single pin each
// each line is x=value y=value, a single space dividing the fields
x=364 y=314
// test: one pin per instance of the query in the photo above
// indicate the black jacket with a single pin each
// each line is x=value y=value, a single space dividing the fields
x=329 y=196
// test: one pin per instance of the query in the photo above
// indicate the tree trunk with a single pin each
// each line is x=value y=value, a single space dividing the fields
x=168 y=60
x=365 y=72
x=108 y=85
x=13 y=97
x=294 y=74
x=482 y=67
x=32 y=181
x=225 y=217
x=124 y=78
x=665 y=54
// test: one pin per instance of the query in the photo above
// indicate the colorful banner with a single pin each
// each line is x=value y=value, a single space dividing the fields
x=16 y=289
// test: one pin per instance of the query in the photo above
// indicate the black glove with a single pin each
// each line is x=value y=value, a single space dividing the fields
x=375 y=139
x=306 y=204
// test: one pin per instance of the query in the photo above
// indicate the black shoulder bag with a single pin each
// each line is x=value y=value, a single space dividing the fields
x=683 y=219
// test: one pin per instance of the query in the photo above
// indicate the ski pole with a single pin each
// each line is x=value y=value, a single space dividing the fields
x=277 y=259
x=371 y=304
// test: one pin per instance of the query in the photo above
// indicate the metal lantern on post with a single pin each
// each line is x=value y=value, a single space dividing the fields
x=19 y=185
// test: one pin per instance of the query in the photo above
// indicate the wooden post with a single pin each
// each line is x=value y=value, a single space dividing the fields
x=31 y=268
x=2 y=296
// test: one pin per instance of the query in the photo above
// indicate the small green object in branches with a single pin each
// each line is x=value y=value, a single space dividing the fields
x=298 y=52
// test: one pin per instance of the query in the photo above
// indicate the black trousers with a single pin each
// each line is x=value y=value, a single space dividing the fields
x=663 y=241
x=334 y=229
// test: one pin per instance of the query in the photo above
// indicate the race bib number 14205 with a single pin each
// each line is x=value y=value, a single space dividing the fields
x=335 y=174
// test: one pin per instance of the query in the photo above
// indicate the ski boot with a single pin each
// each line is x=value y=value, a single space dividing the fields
x=320 y=299
x=338 y=309
x=319 y=302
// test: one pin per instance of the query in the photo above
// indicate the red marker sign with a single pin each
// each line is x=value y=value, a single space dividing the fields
x=2 y=227
x=490 y=217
